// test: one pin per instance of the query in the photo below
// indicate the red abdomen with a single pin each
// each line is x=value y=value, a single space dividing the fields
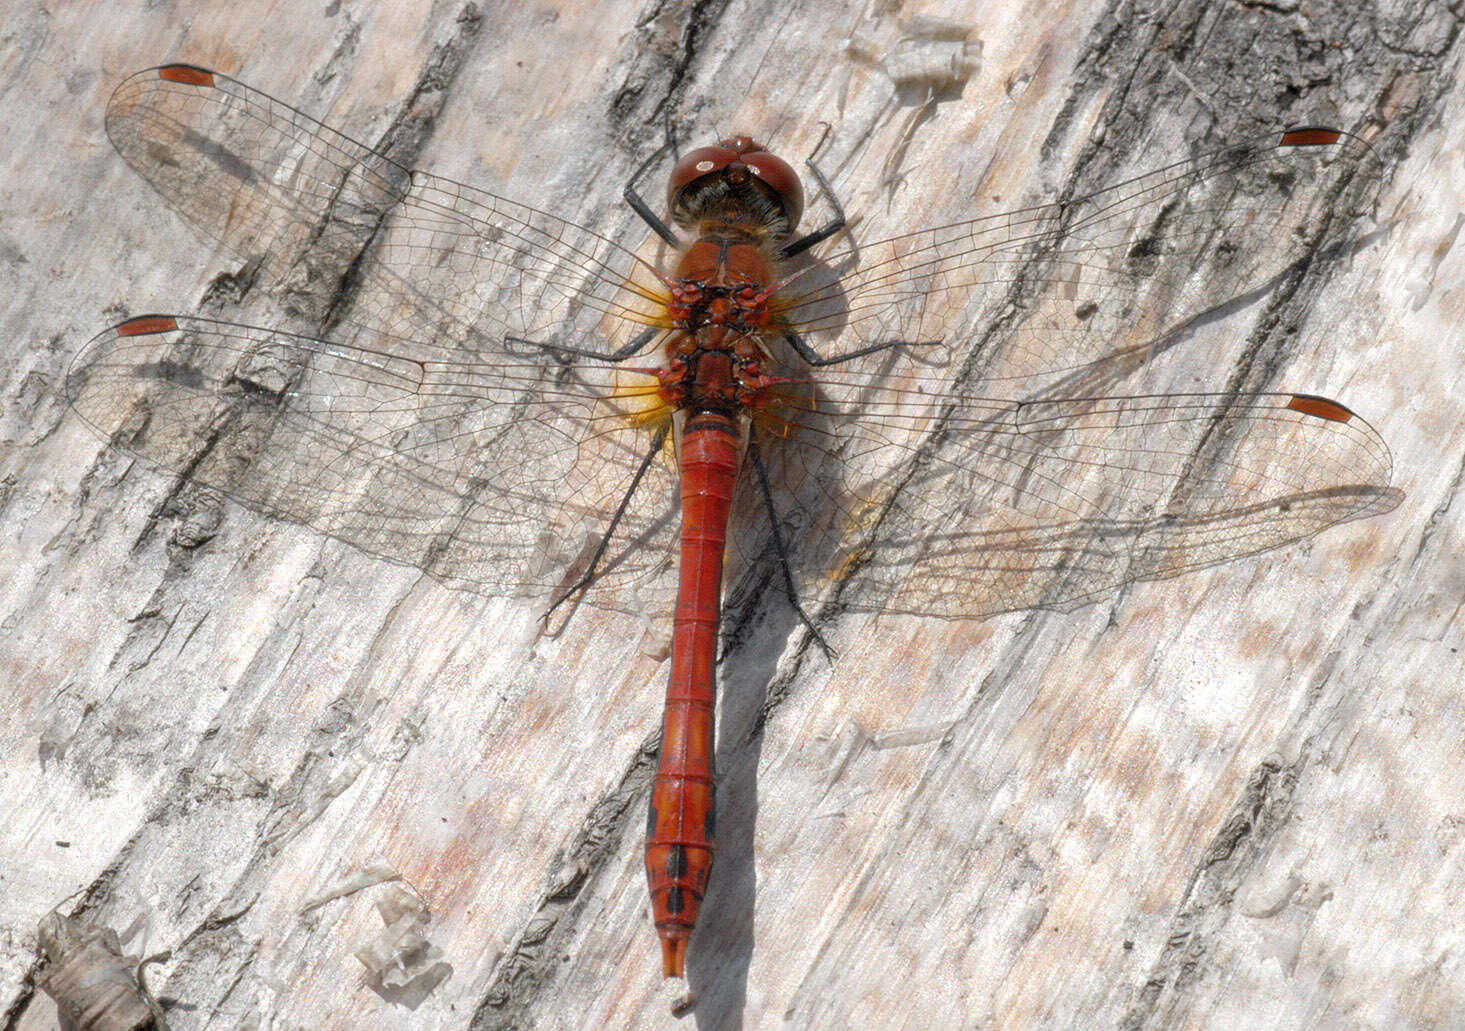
x=679 y=834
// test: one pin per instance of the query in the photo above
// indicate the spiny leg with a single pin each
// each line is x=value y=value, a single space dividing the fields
x=831 y=227
x=562 y=352
x=639 y=205
x=657 y=442
x=814 y=358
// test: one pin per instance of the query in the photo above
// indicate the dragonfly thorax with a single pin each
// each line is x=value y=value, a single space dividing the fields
x=714 y=370
x=722 y=281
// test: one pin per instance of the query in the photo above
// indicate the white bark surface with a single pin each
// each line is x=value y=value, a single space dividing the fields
x=1232 y=799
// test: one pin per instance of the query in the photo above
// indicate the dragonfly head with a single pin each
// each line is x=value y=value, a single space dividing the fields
x=733 y=181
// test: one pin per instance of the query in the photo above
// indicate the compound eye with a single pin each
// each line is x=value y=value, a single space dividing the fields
x=779 y=177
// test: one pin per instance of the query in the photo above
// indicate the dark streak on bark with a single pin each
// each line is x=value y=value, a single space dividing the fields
x=405 y=136
x=667 y=44
x=20 y=1003
x=1234 y=853
x=512 y=999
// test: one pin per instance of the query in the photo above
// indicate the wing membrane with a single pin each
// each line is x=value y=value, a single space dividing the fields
x=438 y=426
x=488 y=477
x=1013 y=505
x=1095 y=276
x=301 y=204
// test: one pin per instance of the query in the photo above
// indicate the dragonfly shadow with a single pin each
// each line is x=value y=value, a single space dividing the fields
x=1108 y=372
x=755 y=628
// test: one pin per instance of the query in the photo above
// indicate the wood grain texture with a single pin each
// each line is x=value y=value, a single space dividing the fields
x=1229 y=800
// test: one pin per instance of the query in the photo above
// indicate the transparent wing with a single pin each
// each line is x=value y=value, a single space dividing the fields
x=441 y=428
x=974 y=506
x=489 y=476
x=957 y=504
x=1091 y=277
x=437 y=425
x=351 y=236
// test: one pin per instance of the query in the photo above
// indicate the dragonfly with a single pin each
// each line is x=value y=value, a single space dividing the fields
x=517 y=404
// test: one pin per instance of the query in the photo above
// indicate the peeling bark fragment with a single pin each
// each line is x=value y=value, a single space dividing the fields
x=403 y=966
x=96 y=986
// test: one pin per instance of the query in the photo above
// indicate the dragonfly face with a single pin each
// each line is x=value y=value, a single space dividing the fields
x=736 y=182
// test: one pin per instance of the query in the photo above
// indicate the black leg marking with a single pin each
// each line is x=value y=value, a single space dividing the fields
x=831 y=227
x=640 y=207
x=563 y=353
x=783 y=563
x=589 y=575
x=814 y=358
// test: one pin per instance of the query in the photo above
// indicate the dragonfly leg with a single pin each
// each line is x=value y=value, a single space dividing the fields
x=639 y=205
x=588 y=576
x=816 y=359
x=831 y=227
x=778 y=546
x=563 y=352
